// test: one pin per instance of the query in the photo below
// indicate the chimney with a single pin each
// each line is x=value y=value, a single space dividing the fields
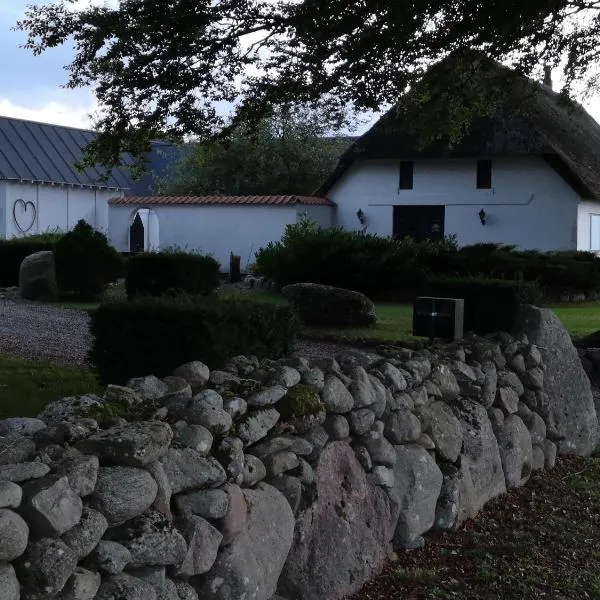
x=548 y=76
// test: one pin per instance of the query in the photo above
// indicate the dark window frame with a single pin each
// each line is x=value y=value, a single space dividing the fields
x=484 y=174
x=407 y=175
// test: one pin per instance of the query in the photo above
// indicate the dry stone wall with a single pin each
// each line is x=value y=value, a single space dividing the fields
x=289 y=479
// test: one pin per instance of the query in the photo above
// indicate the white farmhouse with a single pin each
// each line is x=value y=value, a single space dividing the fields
x=40 y=188
x=530 y=179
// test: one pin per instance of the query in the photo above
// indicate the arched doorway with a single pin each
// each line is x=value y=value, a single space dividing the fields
x=143 y=231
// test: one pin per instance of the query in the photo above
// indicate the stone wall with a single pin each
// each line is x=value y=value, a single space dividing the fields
x=288 y=479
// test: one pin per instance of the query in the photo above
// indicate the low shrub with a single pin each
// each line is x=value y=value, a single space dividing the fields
x=156 y=335
x=159 y=273
x=490 y=304
x=15 y=250
x=85 y=262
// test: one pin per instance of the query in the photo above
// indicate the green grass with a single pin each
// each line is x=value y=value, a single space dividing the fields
x=26 y=386
x=539 y=541
x=579 y=319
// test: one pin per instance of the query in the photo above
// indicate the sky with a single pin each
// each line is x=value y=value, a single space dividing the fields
x=32 y=85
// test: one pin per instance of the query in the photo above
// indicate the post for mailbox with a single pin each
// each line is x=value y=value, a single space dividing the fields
x=438 y=318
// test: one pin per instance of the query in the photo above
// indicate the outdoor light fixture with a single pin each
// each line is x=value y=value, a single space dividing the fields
x=482 y=216
x=361 y=216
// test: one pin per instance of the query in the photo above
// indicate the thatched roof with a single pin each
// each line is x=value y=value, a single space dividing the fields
x=539 y=122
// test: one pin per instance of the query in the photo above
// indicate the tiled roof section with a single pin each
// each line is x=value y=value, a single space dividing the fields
x=41 y=152
x=224 y=200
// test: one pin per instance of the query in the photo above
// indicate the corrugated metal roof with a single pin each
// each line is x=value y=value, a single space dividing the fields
x=223 y=200
x=40 y=152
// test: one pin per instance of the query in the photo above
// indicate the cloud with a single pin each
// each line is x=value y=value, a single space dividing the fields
x=52 y=112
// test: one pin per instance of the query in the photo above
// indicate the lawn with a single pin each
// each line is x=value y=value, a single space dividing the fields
x=26 y=386
x=540 y=541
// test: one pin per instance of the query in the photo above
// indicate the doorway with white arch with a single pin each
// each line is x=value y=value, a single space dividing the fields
x=144 y=231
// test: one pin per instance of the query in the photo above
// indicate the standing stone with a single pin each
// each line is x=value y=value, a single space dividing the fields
x=203 y=542
x=123 y=493
x=336 y=396
x=210 y=504
x=187 y=470
x=342 y=540
x=568 y=403
x=14 y=535
x=444 y=429
x=15 y=448
x=196 y=437
x=10 y=494
x=9 y=584
x=195 y=373
x=516 y=452
x=37 y=277
x=125 y=587
x=46 y=566
x=133 y=444
x=251 y=564
x=402 y=427
x=50 y=506
x=109 y=557
x=83 y=585
x=84 y=537
x=338 y=428
x=418 y=482
x=484 y=477
x=254 y=470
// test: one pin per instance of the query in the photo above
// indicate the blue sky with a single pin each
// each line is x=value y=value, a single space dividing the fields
x=31 y=85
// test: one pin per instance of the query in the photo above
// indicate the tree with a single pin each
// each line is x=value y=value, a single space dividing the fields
x=288 y=152
x=160 y=68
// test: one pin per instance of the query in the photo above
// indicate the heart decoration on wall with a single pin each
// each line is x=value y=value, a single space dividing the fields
x=24 y=214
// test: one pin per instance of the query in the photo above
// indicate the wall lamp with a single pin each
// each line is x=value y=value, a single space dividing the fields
x=483 y=216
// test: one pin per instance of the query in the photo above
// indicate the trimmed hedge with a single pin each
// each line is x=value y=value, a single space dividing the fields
x=390 y=269
x=491 y=305
x=85 y=262
x=14 y=251
x=159 y=273
x=155 y=335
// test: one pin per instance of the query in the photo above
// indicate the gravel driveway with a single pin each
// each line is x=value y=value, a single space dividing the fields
x=42 y=332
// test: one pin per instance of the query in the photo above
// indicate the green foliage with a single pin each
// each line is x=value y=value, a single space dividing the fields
x=376 y=266
x=288 y=153
x=366 y=54
x=155 y=335
x=15 y=250
x=387 y=268
x=106 y=413
x=491 y=305
x=86 y=262
x=300 y=401
x=159 y=273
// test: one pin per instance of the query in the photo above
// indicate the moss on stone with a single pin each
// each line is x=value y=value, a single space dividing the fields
x=300 y=401
x=107 y=412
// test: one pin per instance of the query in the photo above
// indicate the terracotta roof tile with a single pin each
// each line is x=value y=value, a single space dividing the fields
x=223 y=200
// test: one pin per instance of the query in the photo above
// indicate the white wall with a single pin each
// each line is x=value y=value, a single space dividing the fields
x=587 y=210
x=57 y=207
x=216 y=230
x=530 y=205
x=323 y=215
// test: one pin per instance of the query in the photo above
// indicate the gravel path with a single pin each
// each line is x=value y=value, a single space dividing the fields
x=42 y=332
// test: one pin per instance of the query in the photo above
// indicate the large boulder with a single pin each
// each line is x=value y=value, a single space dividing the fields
x=568 y=404
x=417 y=486
x=250 y=566
x=482 y=476
x=37 y=277
x=326 y=306
x=343 y=539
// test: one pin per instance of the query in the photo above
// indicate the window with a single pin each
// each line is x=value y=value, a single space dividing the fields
x=406 y=175
x=484 y=174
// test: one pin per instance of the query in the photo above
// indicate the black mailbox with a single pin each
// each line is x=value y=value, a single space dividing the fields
x=439 y=318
